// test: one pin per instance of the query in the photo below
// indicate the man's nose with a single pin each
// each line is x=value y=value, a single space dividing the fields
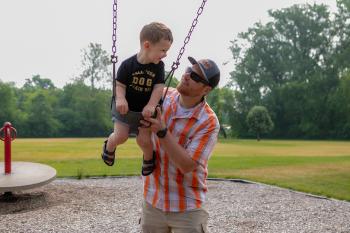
x=186 y=75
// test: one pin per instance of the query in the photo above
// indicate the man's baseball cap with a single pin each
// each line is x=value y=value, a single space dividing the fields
x=209 y=69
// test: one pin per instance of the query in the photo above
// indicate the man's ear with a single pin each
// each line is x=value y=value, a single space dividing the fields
x=207 y=90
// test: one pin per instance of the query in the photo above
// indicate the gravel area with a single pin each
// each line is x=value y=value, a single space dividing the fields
x=114 y=205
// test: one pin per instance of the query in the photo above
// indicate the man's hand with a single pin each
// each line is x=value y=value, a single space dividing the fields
x=155 y=124
x=121 y=106
x=148 y=111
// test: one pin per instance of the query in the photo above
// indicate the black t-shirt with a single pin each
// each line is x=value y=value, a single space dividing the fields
x=139 y=80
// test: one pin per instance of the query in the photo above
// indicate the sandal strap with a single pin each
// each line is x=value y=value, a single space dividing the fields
x=108 y=157
x=148 y=166
x=149 y=161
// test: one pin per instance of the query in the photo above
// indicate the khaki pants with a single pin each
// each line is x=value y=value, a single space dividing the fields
x=157 y=221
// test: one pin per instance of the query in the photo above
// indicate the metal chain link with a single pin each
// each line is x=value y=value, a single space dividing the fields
x=188 y=37
x=182 y=50
x=114 y=58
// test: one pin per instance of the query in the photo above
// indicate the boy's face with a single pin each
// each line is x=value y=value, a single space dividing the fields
x=156 y=52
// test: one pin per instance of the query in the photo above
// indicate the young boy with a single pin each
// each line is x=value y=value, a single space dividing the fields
x=139 y=88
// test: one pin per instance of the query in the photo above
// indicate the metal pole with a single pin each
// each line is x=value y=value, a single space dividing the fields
x=7 y=134
x=7 y=141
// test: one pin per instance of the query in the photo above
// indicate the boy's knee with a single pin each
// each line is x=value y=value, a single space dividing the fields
x=122 y=137
x=143 y=141
x=119 y=137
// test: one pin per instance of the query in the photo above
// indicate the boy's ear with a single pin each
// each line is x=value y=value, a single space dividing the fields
x=146 y=44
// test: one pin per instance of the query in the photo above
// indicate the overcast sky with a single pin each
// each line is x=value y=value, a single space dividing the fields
x=47 y=37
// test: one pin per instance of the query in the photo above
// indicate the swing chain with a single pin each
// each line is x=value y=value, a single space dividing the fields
x=114 y=58
x=188 y=37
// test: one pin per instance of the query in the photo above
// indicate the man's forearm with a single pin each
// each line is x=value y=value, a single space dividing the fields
x=177 y=154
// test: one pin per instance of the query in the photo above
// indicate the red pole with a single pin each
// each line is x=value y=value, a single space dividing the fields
x=7 y=141
x=7 y=148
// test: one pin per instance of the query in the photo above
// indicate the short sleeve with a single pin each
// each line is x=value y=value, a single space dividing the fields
x=202 y=144
x=122 y=74
x=160 y=74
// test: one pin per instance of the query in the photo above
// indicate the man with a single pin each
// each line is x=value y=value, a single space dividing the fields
x=187 y=130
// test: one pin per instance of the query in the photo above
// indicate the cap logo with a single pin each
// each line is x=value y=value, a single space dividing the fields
x=206 y=63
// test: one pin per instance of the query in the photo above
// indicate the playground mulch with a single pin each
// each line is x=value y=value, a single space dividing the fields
x=114 y=205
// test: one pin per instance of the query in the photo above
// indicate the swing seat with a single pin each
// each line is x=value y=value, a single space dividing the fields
x=132 y=119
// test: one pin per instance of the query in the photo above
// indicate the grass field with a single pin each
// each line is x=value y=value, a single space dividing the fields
x=318 y=167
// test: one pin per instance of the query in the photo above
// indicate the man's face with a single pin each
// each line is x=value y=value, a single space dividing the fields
x=193 y=83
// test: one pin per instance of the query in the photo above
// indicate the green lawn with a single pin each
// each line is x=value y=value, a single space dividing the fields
x=318 y=167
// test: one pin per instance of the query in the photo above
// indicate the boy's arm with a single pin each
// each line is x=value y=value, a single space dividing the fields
x=157 y=93
x=120 y=90
x=120 y=103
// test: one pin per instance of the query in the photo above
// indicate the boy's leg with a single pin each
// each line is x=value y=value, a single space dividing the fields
x=119 y=136
x=144 y=141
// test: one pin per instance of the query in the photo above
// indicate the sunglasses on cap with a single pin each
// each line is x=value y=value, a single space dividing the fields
x=195 y=77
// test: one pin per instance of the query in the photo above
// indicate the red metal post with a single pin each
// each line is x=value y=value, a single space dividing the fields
x=7 y=130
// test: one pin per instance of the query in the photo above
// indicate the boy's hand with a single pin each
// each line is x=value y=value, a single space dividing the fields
x=121 y=106
x=148 y=110
x=155 y=124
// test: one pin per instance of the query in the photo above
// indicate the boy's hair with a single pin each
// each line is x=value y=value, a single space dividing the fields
x=154 y=32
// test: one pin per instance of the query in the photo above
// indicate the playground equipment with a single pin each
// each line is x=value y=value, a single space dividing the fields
x=18 y=176
x=134 y=117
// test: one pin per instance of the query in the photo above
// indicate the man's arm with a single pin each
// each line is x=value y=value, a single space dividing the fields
x=177 y=154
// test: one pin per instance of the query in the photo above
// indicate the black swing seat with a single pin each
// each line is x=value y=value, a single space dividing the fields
x=132 y=119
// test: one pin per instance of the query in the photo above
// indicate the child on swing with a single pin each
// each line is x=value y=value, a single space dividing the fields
x=139 y=88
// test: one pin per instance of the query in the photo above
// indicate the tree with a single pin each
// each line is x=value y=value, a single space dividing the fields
x=222 y=102
x=84 y=112
x=259 y=121
x=173 y=82
x=7 y=103
x=41 y=121
x=340 y=108
x=37 y=82
x=289 y=65
x=95 y=65
x=341 y=30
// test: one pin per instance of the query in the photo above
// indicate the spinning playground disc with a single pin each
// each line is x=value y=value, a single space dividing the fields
x=25 y=175
x=17 y=176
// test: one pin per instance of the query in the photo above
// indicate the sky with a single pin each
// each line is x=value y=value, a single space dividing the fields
x=47 y=37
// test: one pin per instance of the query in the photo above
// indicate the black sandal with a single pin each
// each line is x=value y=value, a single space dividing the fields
x=107 y=157
x=148 y=166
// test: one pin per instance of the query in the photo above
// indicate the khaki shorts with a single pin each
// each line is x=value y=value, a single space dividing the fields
x=157 y=221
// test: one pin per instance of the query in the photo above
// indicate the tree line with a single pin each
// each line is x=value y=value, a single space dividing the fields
x=296 y=67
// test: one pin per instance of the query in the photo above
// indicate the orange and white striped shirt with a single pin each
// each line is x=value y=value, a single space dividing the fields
x=196 y=129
